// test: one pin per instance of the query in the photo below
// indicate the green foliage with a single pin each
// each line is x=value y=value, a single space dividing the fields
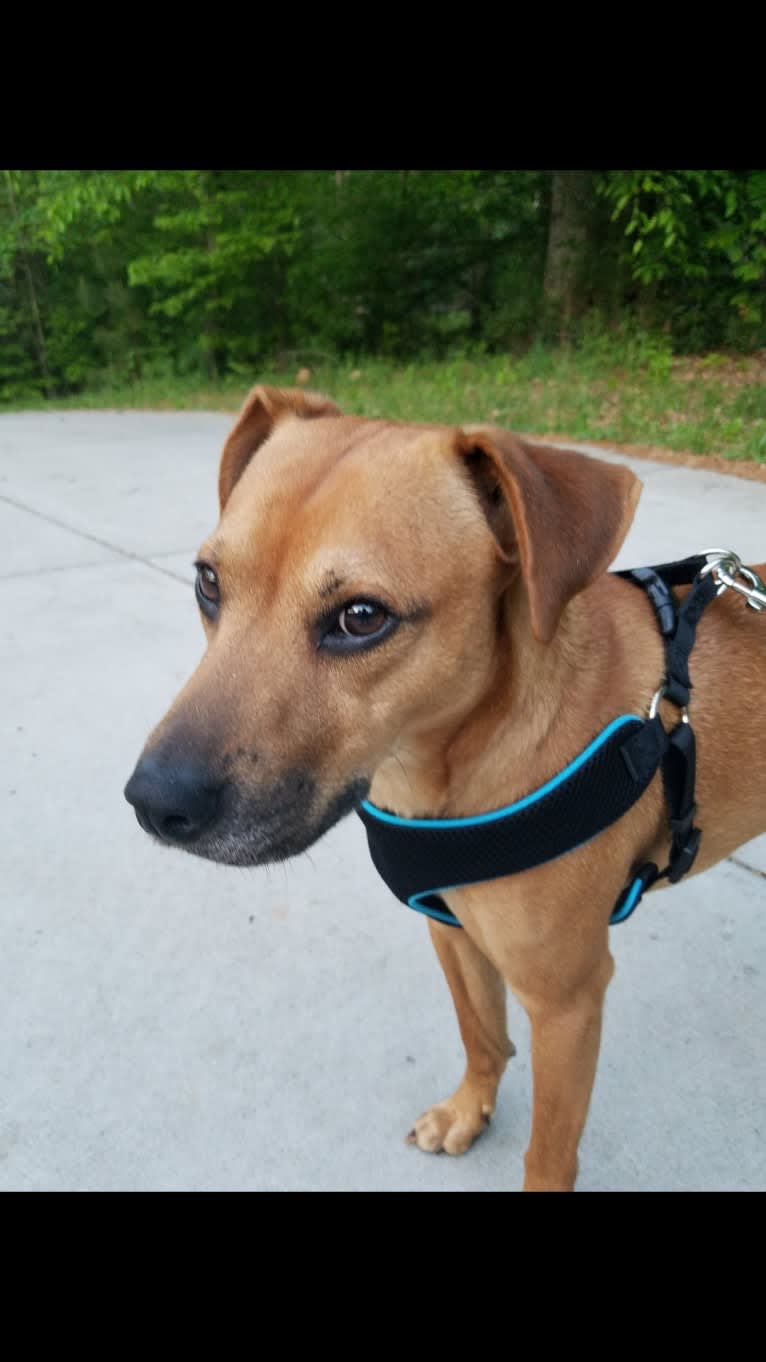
x=133 y=277
x=697 y=240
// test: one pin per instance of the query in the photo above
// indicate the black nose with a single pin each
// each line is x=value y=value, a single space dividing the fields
x=176 y=801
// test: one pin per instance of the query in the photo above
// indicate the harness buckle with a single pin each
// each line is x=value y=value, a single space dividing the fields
x=682 y=861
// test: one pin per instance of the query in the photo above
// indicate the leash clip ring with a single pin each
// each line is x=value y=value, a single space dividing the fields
x=727 y=566
x=724 y=563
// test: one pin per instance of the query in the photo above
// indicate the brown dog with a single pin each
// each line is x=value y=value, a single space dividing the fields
x=424 y=613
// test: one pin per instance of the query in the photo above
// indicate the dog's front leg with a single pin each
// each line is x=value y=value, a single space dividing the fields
x=566 y=1034
x=478 y=992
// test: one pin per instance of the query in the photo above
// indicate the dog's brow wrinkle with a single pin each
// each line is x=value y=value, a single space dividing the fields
x=331 y=583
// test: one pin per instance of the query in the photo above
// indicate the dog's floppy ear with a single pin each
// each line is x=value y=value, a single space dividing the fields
x=262 y=409
x=562 y=516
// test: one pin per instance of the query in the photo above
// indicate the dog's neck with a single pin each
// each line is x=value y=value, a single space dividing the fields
x=535 y=709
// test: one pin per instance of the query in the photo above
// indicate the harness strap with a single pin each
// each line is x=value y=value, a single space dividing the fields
x=679 y=769
x=678 y=749
x=677 y=681
x=677 y=623
x=415 y=855
x=679 y=764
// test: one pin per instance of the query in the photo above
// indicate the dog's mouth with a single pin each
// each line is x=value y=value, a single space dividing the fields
x=251 y=828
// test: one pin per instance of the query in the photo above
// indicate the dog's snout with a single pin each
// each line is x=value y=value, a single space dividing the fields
x=176 y=802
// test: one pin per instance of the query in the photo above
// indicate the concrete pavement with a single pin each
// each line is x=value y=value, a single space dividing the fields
x=170 y=1024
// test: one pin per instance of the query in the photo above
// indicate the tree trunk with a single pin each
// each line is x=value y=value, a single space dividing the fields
x=42 y=353
x=209 y=325
x=572 y=198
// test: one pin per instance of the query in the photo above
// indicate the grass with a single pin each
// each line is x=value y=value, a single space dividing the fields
x=631 y=392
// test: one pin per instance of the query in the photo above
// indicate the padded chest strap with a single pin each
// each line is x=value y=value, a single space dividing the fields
x=422 y=858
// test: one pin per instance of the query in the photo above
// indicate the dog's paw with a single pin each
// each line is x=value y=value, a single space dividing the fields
x=452 y=1125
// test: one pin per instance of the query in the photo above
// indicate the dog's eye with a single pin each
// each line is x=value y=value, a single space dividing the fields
x=362 y=619
x=360 y=624
x=207 y=589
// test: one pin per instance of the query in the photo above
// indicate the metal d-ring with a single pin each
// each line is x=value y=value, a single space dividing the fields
x=655 y=704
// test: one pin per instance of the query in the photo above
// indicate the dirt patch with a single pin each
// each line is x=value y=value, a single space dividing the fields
x=732 y=371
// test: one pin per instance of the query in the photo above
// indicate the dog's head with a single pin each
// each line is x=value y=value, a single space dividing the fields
x=350 y=595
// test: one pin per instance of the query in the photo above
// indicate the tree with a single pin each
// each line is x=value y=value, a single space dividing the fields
x=571 y=216
x=108 y=275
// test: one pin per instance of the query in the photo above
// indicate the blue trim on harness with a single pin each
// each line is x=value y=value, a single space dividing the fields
x=631 y=902
x=436 y=913
x=621 y=913
x=475 y=820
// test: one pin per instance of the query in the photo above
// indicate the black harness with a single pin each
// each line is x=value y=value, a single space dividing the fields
x=422 y=858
